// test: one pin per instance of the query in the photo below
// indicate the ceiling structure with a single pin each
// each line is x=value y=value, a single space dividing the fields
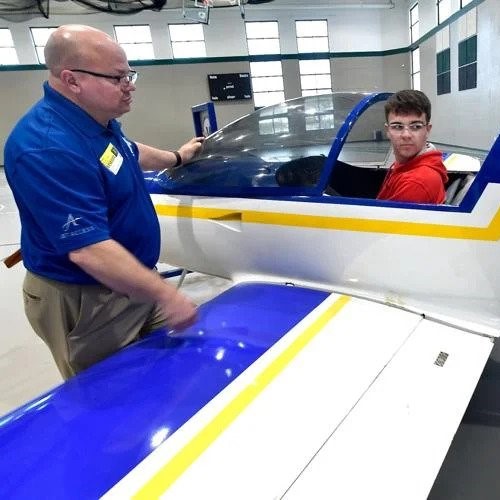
x=19 y=10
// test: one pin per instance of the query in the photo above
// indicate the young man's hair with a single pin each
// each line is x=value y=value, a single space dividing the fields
x=407 y=102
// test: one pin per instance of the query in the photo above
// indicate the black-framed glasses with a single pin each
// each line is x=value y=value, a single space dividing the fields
x=129 y=79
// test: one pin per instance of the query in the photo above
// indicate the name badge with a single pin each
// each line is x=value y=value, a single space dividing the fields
x=111 y=159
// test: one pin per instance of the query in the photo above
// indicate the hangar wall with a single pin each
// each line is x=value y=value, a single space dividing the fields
x=468 y=117
x=361 y=41
x=165 y=92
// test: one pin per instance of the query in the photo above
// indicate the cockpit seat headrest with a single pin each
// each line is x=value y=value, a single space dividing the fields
x=451 y=190
x=462 y=191
x=300 y=172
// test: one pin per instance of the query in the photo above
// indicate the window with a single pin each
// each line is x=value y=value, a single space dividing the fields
x=136 y=41
x=263 y=37
x=467 y=51
x=443 y=10
x=414 y=24
x=274 y=120
x=312 y=36
x=467 y=63
x=187 y=40
x=315 y=75
x=443 y=72
x=267 y=76
x=319 y=113
x=40 y=37
x=415 y=69
x=267 y=83
x=8 y=54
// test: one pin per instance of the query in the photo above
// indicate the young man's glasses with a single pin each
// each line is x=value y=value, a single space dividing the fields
x=414 y=127
x=129 y=79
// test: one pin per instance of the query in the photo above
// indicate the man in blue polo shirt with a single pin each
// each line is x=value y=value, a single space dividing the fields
x=90 y=237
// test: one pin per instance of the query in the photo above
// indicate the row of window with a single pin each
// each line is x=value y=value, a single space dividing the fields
x=445 y=9
x=267 y=77
x=467 y=49
x=467 y=67
x=263 y=38
x=188 y=41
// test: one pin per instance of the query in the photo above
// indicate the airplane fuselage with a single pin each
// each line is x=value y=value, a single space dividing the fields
x=437 y=262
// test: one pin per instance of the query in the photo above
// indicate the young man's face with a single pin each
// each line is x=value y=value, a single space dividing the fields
x=408 y=134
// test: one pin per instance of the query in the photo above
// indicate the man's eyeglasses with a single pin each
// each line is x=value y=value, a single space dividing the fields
x=412 y=127
x=129 y=79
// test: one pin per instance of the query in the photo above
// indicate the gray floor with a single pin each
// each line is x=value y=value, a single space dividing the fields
x=26 y=367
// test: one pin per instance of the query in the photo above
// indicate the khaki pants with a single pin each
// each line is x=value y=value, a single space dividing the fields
x=83 y=324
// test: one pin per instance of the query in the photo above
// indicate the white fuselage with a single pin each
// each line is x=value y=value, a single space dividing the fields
x=442 y=263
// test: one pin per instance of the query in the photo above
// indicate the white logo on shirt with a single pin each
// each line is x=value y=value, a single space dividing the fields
x=71 y=221
x=72 y=228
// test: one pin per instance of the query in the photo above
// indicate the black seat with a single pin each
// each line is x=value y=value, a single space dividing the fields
x=300 y=172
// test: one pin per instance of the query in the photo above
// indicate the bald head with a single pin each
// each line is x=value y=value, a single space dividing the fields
x=72 y=45
x=88 y=67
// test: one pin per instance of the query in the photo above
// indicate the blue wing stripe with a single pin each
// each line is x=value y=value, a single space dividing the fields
x=78 y=440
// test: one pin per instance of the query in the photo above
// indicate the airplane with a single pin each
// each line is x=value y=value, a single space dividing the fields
x=340 y=363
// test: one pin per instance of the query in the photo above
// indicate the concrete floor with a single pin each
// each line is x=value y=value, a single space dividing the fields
x=26 y=366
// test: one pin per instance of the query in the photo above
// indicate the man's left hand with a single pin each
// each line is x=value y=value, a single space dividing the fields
x=192 y=148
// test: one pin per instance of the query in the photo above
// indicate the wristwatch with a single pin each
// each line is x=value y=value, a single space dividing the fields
x=179 y=159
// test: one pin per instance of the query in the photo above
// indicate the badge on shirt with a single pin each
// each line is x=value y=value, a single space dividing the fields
x=112 y=159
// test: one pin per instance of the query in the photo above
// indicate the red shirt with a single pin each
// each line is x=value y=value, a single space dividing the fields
x=420 y=180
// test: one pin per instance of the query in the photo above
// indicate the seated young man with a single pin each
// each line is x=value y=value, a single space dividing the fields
x=418 y=174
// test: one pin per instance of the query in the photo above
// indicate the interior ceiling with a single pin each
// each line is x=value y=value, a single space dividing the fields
x=20 y=10
x=273 y=4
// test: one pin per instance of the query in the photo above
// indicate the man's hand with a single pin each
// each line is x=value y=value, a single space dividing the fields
x=115 y=267
x=192 y=148
x=179 y=312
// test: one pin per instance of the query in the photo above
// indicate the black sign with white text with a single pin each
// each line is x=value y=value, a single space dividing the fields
x=230 y=86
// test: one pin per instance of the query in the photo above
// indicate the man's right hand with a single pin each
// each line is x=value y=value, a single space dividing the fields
x=115 y=267
x=180 y=312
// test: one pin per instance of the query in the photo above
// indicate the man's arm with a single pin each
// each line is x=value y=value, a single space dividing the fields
x=115 y=267
x=158 y=159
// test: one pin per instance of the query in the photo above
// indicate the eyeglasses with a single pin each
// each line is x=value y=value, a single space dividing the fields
x=413 y=128
x=129 y=79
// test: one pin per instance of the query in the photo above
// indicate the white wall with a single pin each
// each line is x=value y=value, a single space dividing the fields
x=470 y=117
x=350 y=29
x=165 y=93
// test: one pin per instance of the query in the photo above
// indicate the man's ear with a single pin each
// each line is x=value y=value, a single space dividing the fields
x=429 y=127
x=69 y=80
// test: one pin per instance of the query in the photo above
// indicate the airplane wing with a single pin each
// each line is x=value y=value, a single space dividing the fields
x=277 y=392
x=362 y=397
x=357 y=401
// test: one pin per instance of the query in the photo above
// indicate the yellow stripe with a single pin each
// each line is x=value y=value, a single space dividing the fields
x=172 y=470
x=488 y=233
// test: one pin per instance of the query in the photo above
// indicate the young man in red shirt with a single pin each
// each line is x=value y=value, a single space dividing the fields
x=418 y=174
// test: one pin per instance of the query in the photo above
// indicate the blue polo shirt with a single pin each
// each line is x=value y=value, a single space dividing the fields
x=76 y=183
